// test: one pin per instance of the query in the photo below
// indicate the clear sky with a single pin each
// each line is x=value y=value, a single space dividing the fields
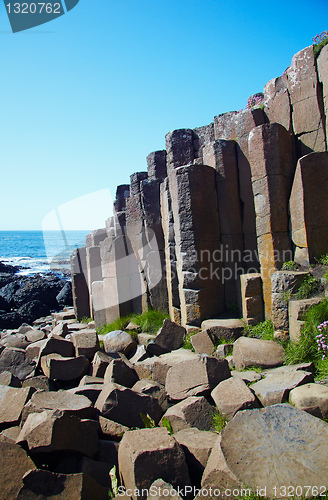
x=86 y=97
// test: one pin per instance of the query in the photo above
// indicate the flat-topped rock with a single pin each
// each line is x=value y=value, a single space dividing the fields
x=65 y=401
x=86 y=343
x=16 y=362
x=275 y=387
x=264 y=448
x=163 y=363
x=57 y=367
x=257 y=352
x=195 y=377
x=16 y=340
x=191 y=412
x=232 y=395
x=248 y=376
x=54 y=430
x=312 y=398
x=12 y=405
x=14 y=464
x=223 y=328
x=112 y=429
x=202 y=343
x=148 y=454
x=7 y=378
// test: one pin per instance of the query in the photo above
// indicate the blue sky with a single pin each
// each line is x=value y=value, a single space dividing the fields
x=86 y=97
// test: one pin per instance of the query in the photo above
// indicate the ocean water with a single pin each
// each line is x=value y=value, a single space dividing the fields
x=38 y=251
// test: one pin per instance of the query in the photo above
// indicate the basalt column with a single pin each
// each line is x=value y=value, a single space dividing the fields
x=237 y=126
x=197 y=238
x=81 y=299
x=272 y=167
x=221 y=155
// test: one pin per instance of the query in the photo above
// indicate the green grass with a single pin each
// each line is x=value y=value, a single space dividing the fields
x=263 y=330
x=323 y=259
x=309 y=287
x=149 y=322
x=290 y=265
x=86 y=320
x=219 y=421
x=306 y=349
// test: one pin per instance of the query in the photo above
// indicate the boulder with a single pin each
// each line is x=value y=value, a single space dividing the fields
x=86 y=343
x=162 y=364
x=60 y=330
x=312 y=398
x=57 y=367
x=40 y=383
x=169 y=338
x=57 y=431
x=14 y=464
x=202 y=343
x=45 y=484
x=57 y=345
x=34 y=335
x=275 y=387
x=223 y=328
x=99 y=364
x=257 y=352
x=39 y=289
x=193 y=412
x=33 y=310
x=119 y=372
x=160 y=490
x=197 y=446
x=16 y=340
x=148 y=454
x=12 y=405
x=10 y=320
x=64 y=401
x=264 y=448
x=248 y=376
x=112 y=430
x=196 y=377
x=65 y=297
x=33 y=350
x=125 y=406
x=297 y=309
x=90 y=391
x=232 y=395
x=16 y=362
x=7 y=378
x=118 y=341
x=153 y=389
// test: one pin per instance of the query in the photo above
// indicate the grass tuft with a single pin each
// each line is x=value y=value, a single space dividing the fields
x=263 y=330
x=149 y=322
x=219 y=421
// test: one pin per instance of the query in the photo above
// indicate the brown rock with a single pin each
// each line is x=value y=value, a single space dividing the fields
x=195 y=377
x=169 y=337
x=7 y=378
x=99 y=364
x=191 y=412
x=45 y=484
x=16 y=362
x=146 y=455
x=90 y=391
x=308 y=219
x=202 y=343
x=153 y=389
x=297 y=309
x=160 y=490
x=86 y=343
x=312 y=398
x=64 y=401
x=57 y=367
x=197 y=446
x=14 y=463
x=223 y=328
x=162 y=364
x=252 y=298
x=111 y=429
x=57 y=345
x=12 y=406
x=257 y=352
x=125 y=406
x=119 y=372
x=233 y=395
x=263 y=448
x=57 y=431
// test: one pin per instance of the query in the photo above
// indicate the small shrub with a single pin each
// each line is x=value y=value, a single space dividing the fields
x=86 y=320
x=319 y=41
x=187 y=342
x=167 y=424
x=149 y=423
x=309 y=287
x=219 y=421
x=290 y=265
x=149 y=322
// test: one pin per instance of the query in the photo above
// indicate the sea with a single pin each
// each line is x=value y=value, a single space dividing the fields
x=40 y=251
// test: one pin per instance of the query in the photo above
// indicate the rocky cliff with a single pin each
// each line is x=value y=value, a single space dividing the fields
x=238 y=196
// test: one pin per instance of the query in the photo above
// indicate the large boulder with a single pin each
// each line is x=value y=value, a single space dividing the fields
x=43 y=289
x=148 y=454
x=14 y=464
x=257 y=352
x=195 y=377
x=312 y=398
x=264 y=448
x=169 y=338
x=65 y=297
x=72 y=404
x=16 y=362
x=193 y=412
x=32 y=310
x=232 y=395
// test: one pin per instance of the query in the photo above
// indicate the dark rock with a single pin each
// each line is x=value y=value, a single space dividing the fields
x=16 y=362
x=65 y=298
x=8 y=292
x=39 y=288
x=6 y=268
x=33 y=310
x=10 y=320
x=4 y=306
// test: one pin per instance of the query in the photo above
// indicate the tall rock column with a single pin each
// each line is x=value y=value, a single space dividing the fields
x=322 y=65
x=309 y=208
x=237 y=126
x=197 y=238
x=272 y=167
x=307 y=102
x=81 y=298
x=221 y=155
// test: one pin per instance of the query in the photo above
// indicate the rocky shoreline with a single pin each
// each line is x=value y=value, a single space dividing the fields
x=24 y=299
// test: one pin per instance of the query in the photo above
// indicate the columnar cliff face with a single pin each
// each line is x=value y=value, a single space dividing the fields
x=242 y=194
